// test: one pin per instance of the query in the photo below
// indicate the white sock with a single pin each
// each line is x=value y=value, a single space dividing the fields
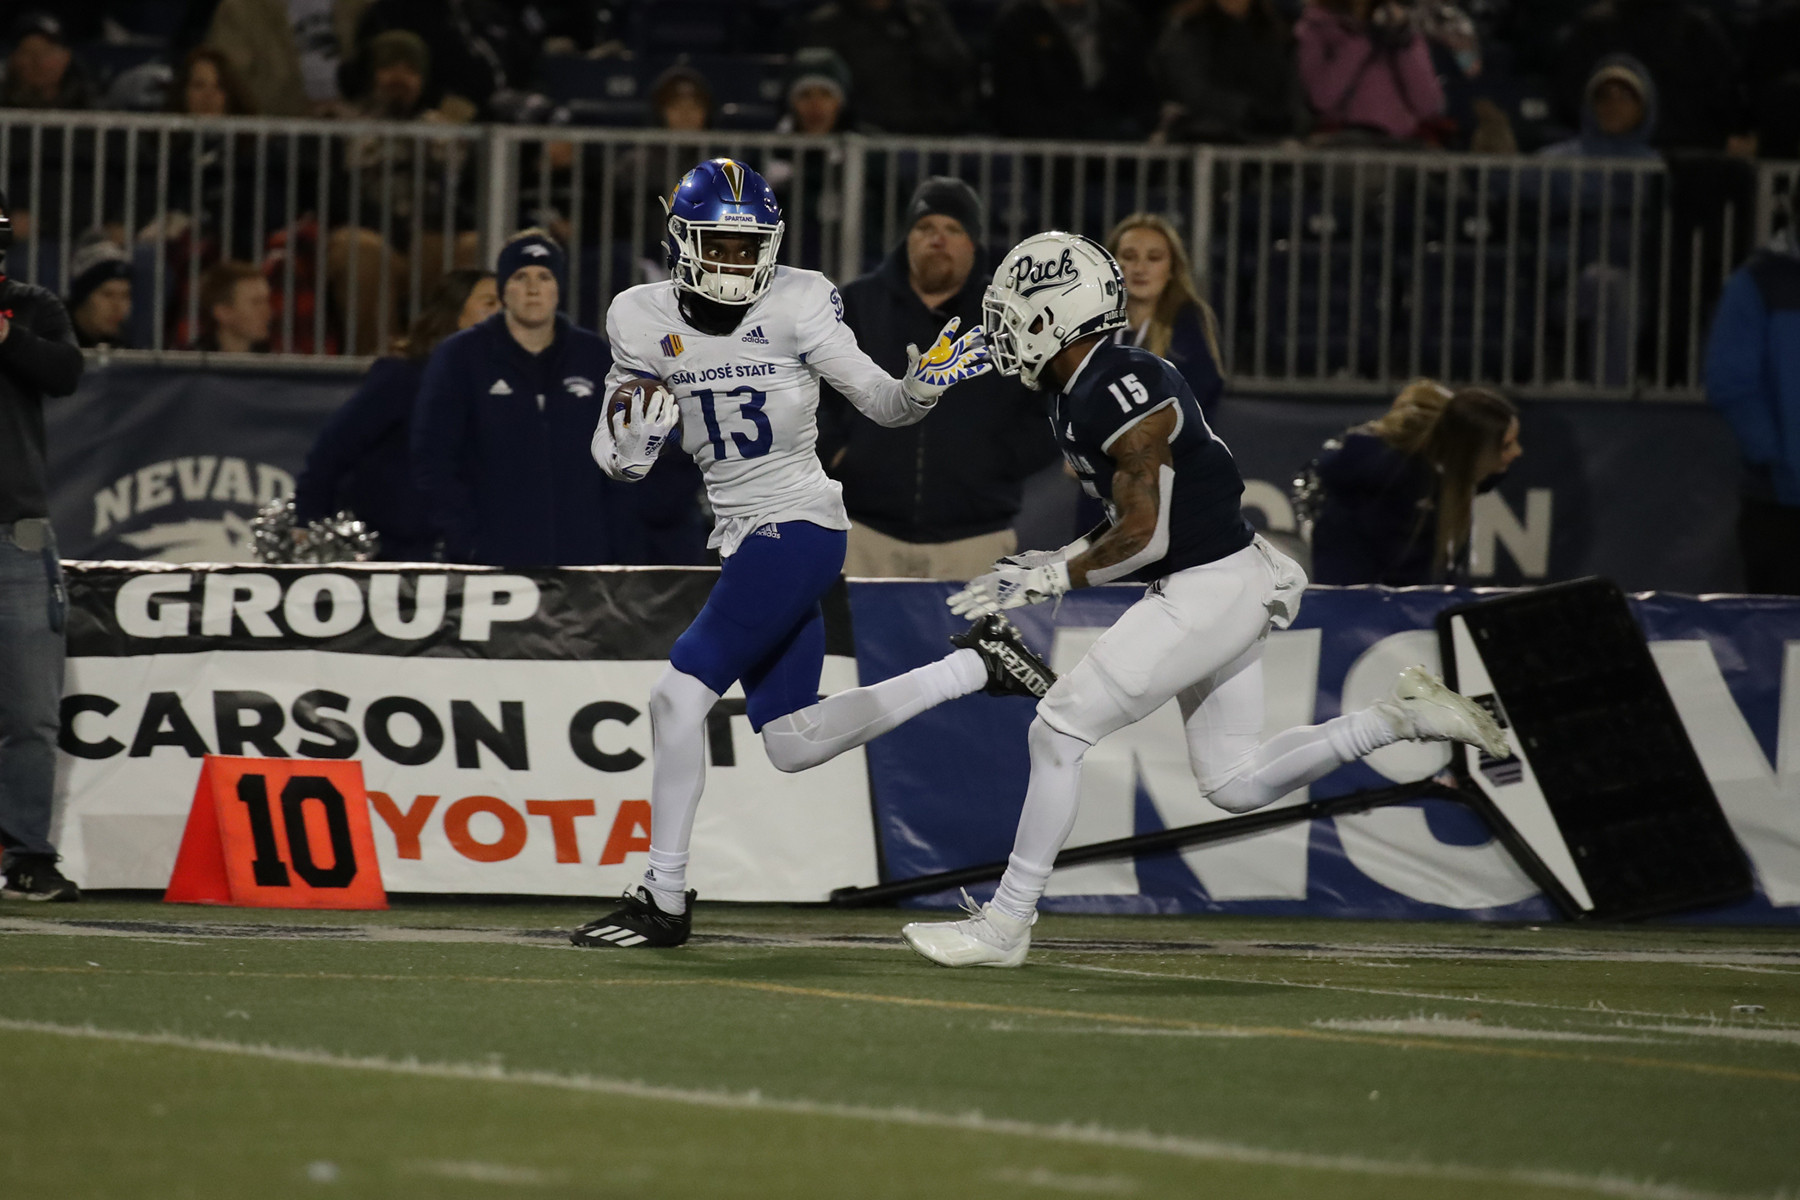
x=1296 y=757
x=822 y=731
x=679 y=705
x=1051 y=800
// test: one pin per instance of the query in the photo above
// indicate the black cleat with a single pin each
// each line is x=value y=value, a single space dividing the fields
x=637 y=922
x=1013 y=670
x=35 y=877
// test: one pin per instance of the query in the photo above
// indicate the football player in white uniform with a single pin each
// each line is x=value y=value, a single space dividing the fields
x=1132 y=431
x=731 y=350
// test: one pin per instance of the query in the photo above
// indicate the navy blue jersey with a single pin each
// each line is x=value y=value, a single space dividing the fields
x=1117 y=387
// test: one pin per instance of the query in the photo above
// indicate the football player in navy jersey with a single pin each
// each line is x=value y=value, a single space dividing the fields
x=1130 y=427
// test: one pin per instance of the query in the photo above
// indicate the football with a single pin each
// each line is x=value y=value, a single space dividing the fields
x=619 y=404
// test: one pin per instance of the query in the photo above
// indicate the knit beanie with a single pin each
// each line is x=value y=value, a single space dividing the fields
x=942 y=195
x=96 y=259
x=532 y=249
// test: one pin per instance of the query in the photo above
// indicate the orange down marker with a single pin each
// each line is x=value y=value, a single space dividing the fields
x=278 y=833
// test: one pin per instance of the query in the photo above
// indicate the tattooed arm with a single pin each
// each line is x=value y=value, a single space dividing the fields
x=1140 y=458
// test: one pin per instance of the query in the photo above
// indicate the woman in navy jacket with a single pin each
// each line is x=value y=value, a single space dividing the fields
x=501 y=432
x=1165 y=315
x=362 y=460
x=1399 y=490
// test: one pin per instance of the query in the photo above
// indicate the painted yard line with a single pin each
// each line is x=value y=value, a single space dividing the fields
x=1169 y=1145
x=1401 y=993
x=1451 y=1027
x=1741 y=1033
x=344 y=976
x=1272 y=1031
x=1021 y=1010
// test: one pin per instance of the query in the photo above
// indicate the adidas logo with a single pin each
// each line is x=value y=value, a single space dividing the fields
x=500 y=388
x=617 y=935
x=771 y=530
x=756 y=335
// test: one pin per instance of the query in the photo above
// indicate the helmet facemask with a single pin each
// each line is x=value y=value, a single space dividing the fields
x=721 y=282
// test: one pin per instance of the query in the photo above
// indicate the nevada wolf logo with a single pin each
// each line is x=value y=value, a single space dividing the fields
x=1030 y=276
x=579 y=385
x=535 y=251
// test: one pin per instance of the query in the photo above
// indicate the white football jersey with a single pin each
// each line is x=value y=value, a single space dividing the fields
x=749 y=399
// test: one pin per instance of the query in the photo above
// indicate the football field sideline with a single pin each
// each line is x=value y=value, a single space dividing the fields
x=441 y=1050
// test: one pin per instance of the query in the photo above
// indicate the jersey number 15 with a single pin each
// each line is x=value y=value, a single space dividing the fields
x=1139 y=393
x=751 y=409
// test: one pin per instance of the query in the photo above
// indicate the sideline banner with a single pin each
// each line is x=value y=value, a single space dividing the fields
x=164 y=463
x=949 y=784
x=499 y=720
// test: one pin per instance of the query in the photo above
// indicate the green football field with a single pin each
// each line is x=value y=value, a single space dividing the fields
x=439 y=1050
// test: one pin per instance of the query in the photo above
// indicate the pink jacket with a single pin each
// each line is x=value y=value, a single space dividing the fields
x=1350 y=81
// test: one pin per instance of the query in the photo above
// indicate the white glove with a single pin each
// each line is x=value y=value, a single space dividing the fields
x=1010 y=586
x=950 y=360
x=1044 y=558
x=627 y=443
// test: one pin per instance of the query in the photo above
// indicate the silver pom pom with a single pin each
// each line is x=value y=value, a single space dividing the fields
x=341 y=537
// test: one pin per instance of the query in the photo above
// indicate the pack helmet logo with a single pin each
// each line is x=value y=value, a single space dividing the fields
x=579 y=385
x=1031 y=276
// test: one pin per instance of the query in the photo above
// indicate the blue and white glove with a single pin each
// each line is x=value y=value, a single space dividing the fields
x=1009 y=585
x=628 y=441
x=950 y=360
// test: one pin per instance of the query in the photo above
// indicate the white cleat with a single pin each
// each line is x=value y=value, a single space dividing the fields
x=988 y=938
x=1424 y=710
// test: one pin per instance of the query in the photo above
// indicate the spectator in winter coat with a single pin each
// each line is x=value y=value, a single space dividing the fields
x=42 y=72
x=1071 y=69
x=99 y=299
x=362 y=459
x=934 y=500
x=1753 y=377
x=412 y=217
x=287 y=51
x=1398 y=492
x=235 y=309
x=1682 y=46
x=913 y=73
x=1365 y=66
x=1225 y=70
x=501 y=430
x=478 y=48
x=1618 y=120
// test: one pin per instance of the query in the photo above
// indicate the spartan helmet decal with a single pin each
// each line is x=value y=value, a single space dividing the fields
x=1052 y=290
x=719 y=196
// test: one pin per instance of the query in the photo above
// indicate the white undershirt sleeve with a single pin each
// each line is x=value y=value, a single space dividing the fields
x=828 y=346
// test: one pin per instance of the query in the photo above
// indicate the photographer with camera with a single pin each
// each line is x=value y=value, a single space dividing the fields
x=1366 y=69
x=38 y=360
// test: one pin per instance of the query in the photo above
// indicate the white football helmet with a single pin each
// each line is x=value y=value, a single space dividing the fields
x=1053 y=289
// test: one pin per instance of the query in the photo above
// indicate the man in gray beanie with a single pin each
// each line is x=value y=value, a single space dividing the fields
x=99 y=299
x=934 y=500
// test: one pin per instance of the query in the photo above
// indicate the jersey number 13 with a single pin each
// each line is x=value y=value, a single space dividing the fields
x=751 y=409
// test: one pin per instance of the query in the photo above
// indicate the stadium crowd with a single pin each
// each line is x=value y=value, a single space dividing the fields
x=1488 y=75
